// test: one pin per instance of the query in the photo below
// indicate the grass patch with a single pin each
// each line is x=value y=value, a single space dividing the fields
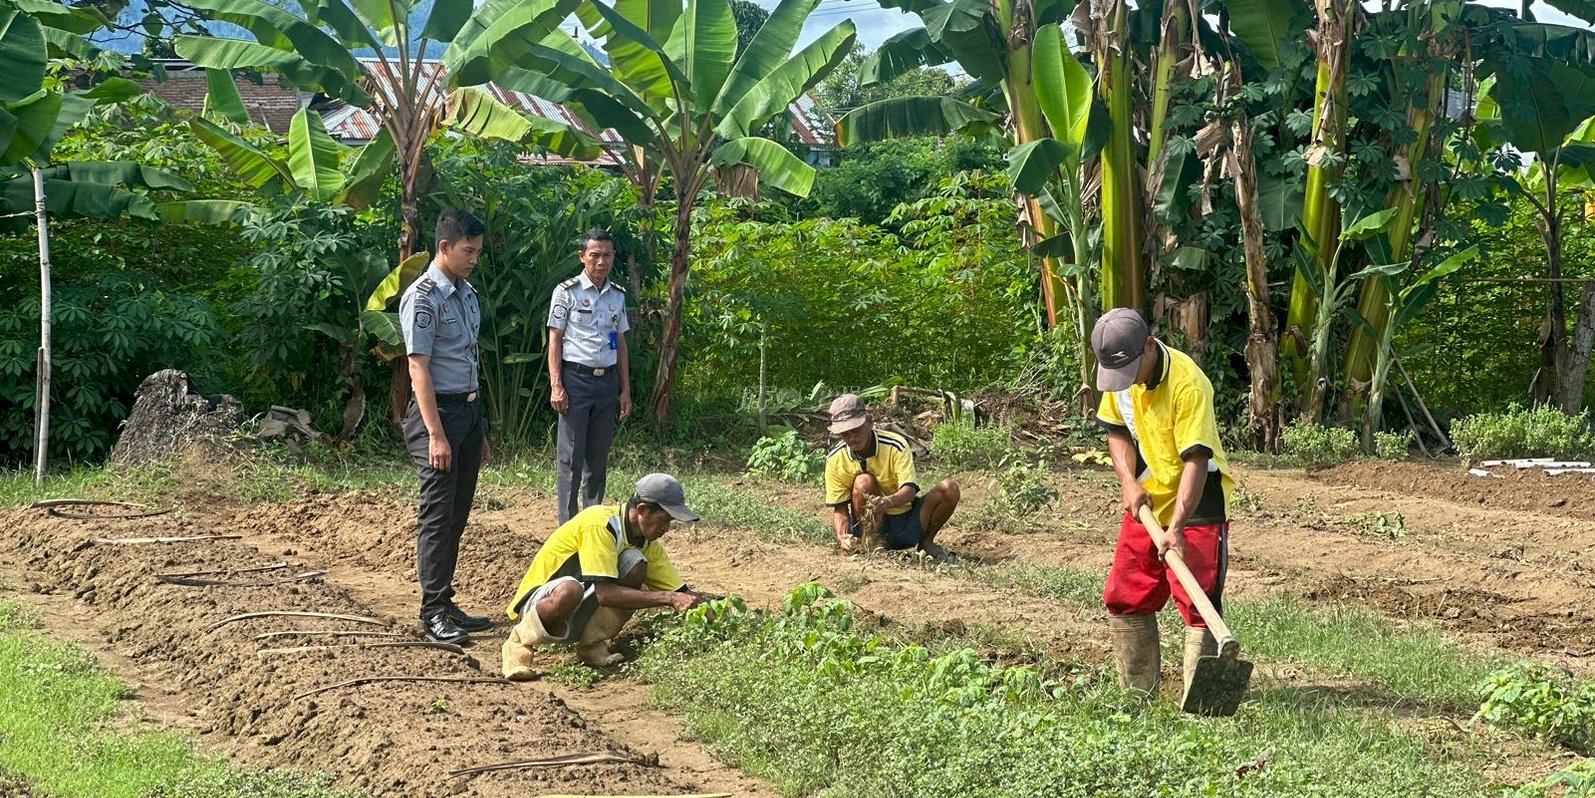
x=889 y=720
x=55 y=737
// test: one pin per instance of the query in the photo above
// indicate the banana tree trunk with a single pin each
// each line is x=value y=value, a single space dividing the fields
x=1408 y=196
x=41 y=430
x=1123 y=278
x=1326 y=154
x=1579 y=352
x=1262 y=337
x=1029 y=125
x=670 y=338
x=1173 y=54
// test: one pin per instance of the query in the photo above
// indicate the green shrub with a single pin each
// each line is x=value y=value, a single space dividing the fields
x=1391 y=446
x=1576 y=781
x=1314 y=444
x=1542 y=432
x=787 y=457
x=964 y=445
x=1024 y=486
x=1543 y=701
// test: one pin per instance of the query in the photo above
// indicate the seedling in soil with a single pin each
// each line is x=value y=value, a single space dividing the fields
x=578 y=676
x=439 y=707
x=1380 y=525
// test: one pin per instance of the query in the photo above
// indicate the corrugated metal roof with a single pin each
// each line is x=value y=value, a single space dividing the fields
x=347 y=123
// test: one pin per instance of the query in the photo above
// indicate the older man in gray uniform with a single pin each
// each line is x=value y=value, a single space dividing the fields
x=589 y=371
x=445 y=427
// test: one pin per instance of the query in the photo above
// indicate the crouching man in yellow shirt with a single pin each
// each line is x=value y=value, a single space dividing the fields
x=594 y=571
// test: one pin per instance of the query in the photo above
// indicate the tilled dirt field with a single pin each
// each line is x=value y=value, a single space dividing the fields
x=1501 y=576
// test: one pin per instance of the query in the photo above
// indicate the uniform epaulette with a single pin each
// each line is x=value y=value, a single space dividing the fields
x=571 y=283
x=617 y=286
x=424 y=286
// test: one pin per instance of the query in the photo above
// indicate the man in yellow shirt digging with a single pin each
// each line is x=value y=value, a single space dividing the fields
x=1157 y=407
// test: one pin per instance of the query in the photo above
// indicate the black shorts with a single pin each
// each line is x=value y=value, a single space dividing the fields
x=902 y=531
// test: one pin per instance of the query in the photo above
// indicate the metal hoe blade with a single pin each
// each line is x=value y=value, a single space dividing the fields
x=1219 y=683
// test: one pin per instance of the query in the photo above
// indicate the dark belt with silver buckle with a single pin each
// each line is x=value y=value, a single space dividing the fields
x=457 y=398
x=589 y=370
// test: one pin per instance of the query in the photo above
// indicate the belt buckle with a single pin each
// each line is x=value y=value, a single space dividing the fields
x=599 y=372
x=470 y=397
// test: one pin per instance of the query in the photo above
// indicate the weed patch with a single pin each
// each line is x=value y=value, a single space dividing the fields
x=1542 y=432
x=1542 y=701
x=965 y=446
x=786 y=457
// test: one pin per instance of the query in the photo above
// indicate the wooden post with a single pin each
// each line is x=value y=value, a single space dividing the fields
x=41 y=443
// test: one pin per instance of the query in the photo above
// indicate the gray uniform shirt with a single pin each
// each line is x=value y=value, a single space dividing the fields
x=442 y=321
x=590 y=316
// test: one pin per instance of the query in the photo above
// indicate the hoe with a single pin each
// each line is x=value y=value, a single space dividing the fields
x=1220 y=681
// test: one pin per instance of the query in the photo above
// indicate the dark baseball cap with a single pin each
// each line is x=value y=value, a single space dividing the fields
x=1119 y=340
x=847 y=413
x=665 y=491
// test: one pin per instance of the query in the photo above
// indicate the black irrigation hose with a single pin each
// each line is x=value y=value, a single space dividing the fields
x=53 y=507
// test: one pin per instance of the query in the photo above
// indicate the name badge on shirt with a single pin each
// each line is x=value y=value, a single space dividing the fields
x=614 y=340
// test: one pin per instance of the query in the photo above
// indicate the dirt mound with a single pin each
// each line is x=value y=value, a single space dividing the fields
x=387 y=739
x=1570 y=495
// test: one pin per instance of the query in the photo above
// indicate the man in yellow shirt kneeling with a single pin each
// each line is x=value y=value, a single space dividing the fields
x=595 y=570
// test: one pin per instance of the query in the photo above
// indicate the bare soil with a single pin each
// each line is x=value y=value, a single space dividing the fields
x=1506 y=573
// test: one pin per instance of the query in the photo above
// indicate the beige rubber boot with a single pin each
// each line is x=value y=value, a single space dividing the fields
x=517 y=650
x=1198 y=643
x=1135 y=650
x=601 y=628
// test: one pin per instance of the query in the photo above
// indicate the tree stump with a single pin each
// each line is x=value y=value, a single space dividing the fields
x=168 y=417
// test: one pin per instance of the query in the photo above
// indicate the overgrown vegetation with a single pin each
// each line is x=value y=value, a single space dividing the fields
x=962 y=444
x=1516 y=432
x=1315 y=444
x=786 y=456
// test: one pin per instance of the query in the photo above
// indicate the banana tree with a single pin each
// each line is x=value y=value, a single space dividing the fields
x=1402 y=303
x=1333 y=294
x=992 y=40
x=320 y=169
x=1434 y=30
x=315 y=51
x=1326 y=156
x=1050 y=170
x=1536 y=105
x=685 y=103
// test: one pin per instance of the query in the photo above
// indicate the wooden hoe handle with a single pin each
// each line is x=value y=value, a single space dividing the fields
x=1228 y=646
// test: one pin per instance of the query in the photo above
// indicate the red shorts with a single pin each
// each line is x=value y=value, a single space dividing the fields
x=1140 y=584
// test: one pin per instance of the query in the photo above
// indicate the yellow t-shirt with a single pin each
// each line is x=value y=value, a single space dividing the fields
x=1167 y=422
x=892 y=465
x=588 y=547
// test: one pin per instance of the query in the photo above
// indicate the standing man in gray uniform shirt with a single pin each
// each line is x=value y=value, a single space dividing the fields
x=445 y=426
x=589 y=372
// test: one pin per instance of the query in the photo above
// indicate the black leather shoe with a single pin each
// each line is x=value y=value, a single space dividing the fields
x=470 y=623
x=440 y=628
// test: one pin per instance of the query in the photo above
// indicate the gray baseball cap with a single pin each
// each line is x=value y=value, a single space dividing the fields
x=1119 y=340
x=847 y=413
x=665 y=491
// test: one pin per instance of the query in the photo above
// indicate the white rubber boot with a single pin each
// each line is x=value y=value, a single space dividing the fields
x=601 y=628
x=1135 y=651
x=517 y=650
x=1198 y=643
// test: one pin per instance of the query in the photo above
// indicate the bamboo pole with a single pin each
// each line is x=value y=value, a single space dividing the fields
x=41 y=428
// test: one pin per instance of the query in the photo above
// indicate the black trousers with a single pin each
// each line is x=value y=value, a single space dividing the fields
x=445 y=495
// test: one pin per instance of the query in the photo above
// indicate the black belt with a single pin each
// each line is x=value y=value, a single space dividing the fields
x=458 y=398
x=586 y=369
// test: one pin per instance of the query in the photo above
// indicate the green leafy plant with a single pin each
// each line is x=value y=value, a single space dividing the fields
x=1541 y=700
x=1381 y=525
x=1516 y=432
x=1574 y=781
x=1392 y=446
x=787 y=457
x=1315 y=444
x=964 y=445
x=1024 y=486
